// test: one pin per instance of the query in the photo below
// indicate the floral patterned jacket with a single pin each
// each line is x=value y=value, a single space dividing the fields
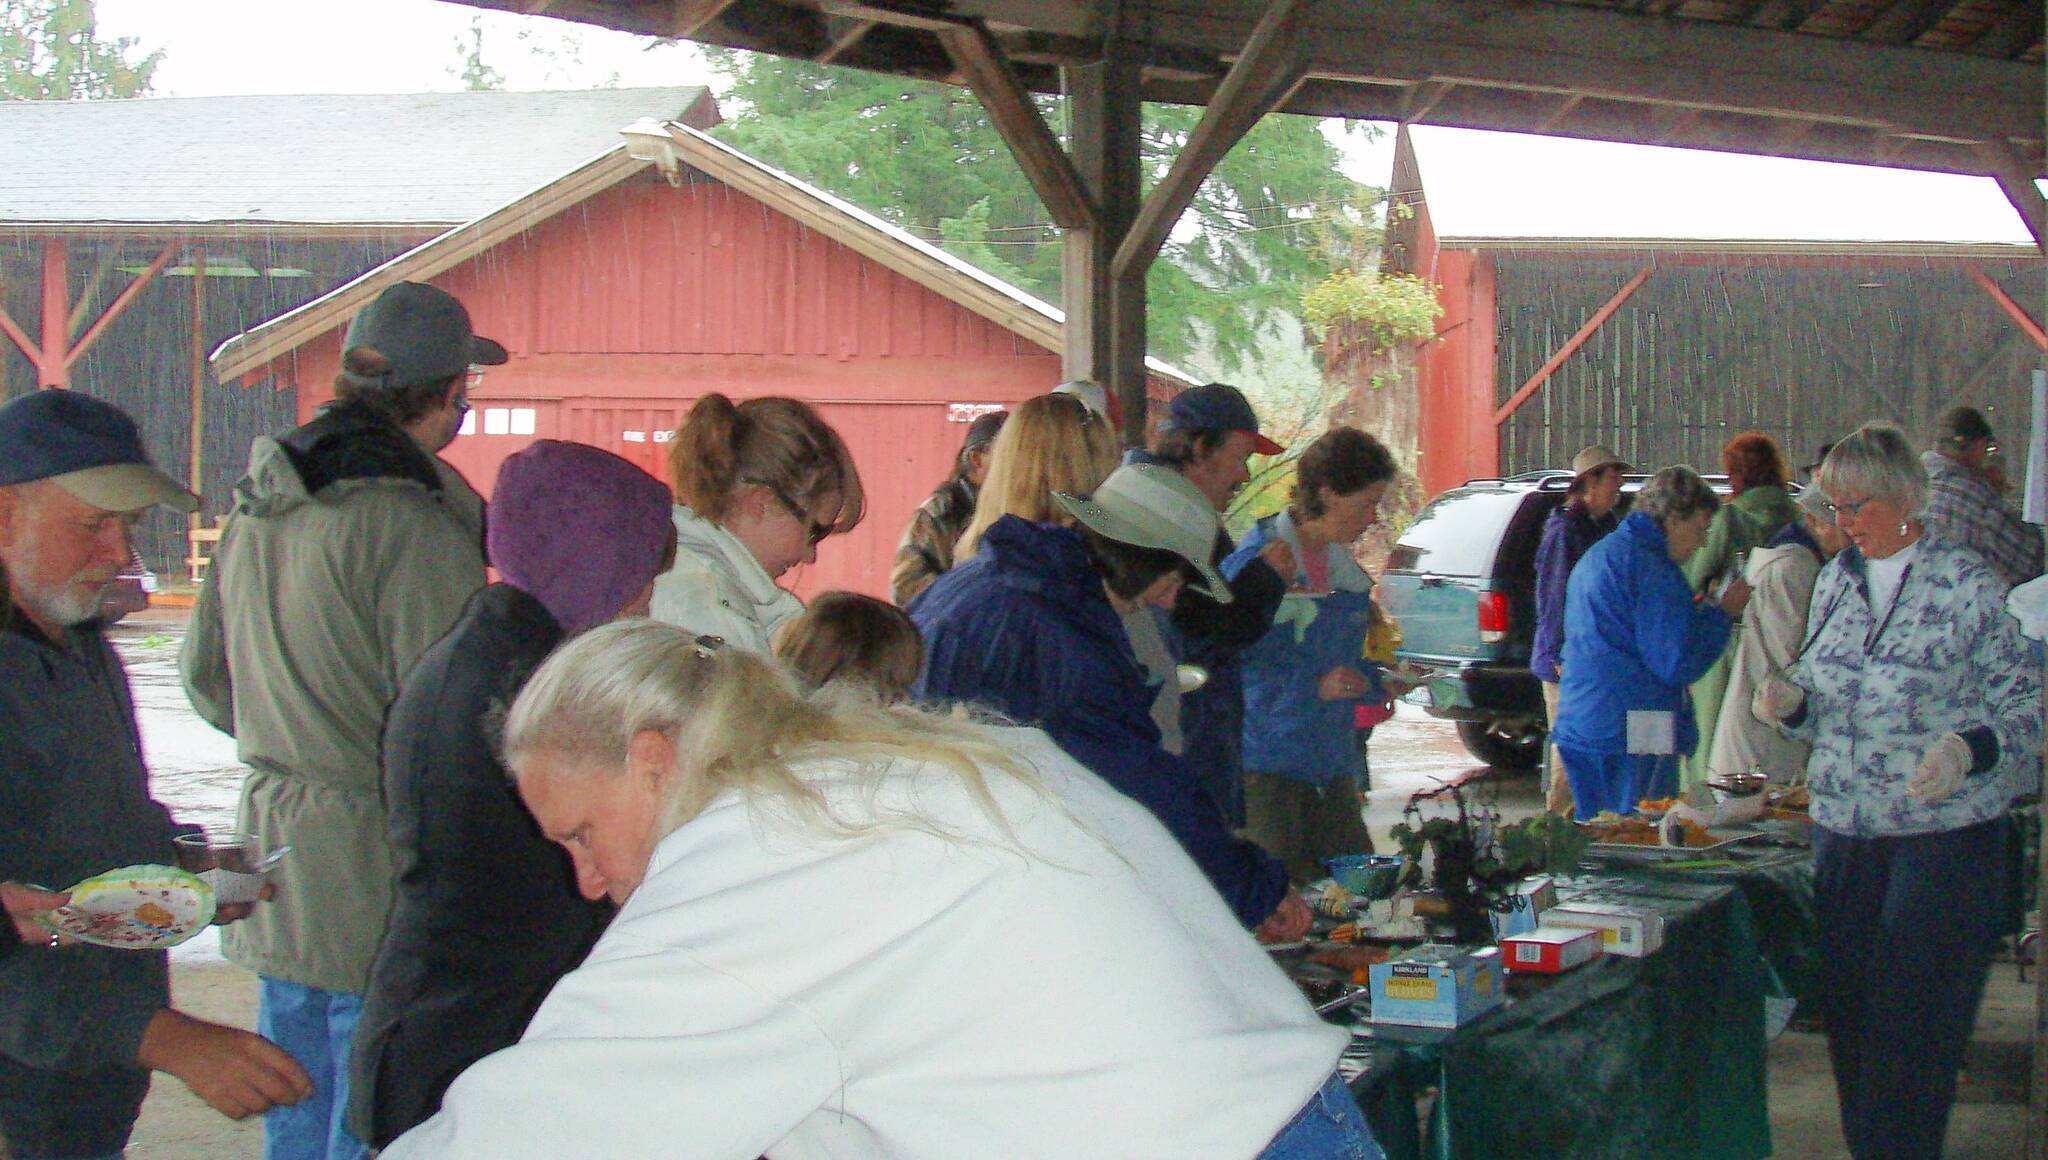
x=1946 y=659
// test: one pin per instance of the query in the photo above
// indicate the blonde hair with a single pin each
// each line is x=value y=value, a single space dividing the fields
x=737 y=723
x=844 y=636
x=776 y=443
x=1050 y=443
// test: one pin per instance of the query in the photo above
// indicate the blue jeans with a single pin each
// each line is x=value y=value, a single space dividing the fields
x=1328 y=1127
x=1907 y=926
x=1617 y=781
x=317 y=1027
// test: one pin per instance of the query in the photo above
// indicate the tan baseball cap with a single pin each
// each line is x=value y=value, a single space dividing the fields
x=1594 y=458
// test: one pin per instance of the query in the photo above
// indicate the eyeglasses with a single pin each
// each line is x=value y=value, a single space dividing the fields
x=1838 y=510
x=814 y=532
x=473 y=377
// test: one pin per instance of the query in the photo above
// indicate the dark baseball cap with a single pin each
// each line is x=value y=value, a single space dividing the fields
x=984 y=429
x=1217 y=407
x=86 y=446
x=423 y=332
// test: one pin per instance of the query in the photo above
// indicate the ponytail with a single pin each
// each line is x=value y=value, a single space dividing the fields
x=703 y=465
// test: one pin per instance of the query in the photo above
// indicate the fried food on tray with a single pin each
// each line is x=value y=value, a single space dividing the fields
x=1790 y=797
x=1614 y=828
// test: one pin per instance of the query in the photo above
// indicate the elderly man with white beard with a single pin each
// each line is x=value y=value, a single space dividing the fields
x=82 y=1027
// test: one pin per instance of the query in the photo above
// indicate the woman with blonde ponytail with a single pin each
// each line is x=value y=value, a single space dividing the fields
x=758 y=485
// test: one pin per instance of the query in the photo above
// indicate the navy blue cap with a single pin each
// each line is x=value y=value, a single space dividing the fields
x=1217 y=407
x=90 y=448
x=423 y=332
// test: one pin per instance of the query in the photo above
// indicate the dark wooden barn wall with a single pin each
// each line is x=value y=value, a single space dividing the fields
x=1804 y=352
x=143 y=363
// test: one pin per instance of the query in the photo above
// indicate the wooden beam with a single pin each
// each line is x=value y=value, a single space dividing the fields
x=1422 y=99
x=198 y=424
x=1557 y=115
x=2013 y=310
x=1045 y=163
x=54 y=369
x=120 y=303
x=109 y=257
x=691 y=15
x=13 y=330
x=2015 y=178
x=1105 y=313
x=1622 y=55
x=1570 y=347
x=844 y=32
x=1273 y=62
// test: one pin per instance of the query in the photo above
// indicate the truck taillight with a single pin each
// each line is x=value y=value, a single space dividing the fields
x=1493 y=617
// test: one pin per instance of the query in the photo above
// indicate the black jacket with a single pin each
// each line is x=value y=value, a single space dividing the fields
x=1213 y=635
x=487 y=916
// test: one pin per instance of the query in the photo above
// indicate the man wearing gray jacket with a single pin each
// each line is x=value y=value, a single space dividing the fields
x=351 y=548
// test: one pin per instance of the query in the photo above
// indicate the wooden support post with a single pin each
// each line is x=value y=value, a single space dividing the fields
x=1570 y=346
x=2016 y=178
x=1038 y=153
x=127 y=295
x=53 y=369
x=198 y=518
x=2013 y=310
x=1274 y=61
x=1105 y=326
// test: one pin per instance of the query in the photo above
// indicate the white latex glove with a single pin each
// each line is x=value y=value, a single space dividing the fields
x=1776 y=699
x=1941 y=770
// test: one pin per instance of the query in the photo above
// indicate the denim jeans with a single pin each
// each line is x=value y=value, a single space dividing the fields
x=1328 y=1127
x=317 y=1027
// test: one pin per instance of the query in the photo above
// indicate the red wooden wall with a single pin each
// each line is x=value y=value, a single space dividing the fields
x=620 y=312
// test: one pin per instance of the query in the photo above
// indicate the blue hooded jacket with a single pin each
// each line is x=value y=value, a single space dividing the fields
x=1025 y=628
x=1288 y=729
x=1634 y=638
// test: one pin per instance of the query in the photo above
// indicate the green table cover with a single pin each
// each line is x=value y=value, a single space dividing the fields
x=1622 y=1058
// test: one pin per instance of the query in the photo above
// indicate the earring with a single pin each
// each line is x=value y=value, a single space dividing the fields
x=1905 y=529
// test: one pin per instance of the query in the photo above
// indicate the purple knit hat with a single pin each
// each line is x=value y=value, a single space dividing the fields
x=578 y=529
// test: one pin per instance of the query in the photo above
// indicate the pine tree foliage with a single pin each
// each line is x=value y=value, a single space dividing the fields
x=51 y=50
x=1275 y=217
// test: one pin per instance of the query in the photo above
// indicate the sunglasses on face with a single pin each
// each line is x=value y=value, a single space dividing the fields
x=814 y=532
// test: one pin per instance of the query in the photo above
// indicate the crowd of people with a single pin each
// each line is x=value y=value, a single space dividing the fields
x=1853 y=639
x=626 y=850
x=630 y=852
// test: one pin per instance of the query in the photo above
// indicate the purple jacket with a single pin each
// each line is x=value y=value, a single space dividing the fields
x=1567 y=534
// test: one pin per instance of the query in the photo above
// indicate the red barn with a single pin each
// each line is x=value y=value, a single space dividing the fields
x=623 y=295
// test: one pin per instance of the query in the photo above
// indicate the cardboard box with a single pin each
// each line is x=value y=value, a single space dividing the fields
x=1532 y=897
x=1437 y=986
x=1626 y=930
x=1550 y=950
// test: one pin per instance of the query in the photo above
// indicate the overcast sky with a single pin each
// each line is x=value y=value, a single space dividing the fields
x=1494 y=184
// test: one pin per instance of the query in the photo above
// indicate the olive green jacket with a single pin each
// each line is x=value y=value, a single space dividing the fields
x=317 y=605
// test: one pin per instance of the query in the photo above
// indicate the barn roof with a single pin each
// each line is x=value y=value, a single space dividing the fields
x=900 y=251
x=381 y=160
x=1499 y=187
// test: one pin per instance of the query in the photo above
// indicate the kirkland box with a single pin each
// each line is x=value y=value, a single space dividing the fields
x=1550 y=950
x=1437 y=986
x=1627 y=930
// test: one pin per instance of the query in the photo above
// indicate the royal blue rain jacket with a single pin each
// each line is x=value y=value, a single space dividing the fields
x=1634 y=638
x=1025 y=628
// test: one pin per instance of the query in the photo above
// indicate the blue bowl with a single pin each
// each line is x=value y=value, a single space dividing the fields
x=1370 y=877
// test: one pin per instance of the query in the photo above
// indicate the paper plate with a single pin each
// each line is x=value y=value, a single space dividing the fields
x=140 y=908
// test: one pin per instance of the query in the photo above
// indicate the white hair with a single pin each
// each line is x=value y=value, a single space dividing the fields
x=1876 y=461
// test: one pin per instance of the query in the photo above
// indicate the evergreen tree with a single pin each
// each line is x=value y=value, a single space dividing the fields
x=50 y=50
x=1273 y=218
x=475 y=75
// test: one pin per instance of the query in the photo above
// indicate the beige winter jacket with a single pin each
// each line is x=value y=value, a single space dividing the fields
x=1773 y=628
x=316 y=607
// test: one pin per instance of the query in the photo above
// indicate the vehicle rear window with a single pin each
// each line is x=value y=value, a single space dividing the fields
x=1458 y=533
